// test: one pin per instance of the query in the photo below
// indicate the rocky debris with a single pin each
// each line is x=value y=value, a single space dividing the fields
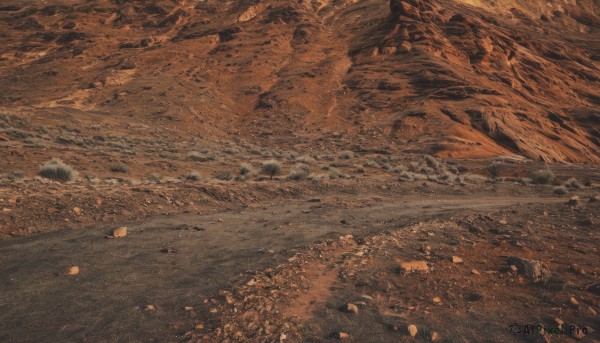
x=456 y=259
x=412 y=330
x=343 y=335
x=475 y=272
x=119 y=232
x=577 y=269
x=573 y=201
x=532 y=269
x=595 y=198
x=150 y=307
x=351 y=308
x=71 y=270
x=434 y=337
x=574 y=301
x=414 y=266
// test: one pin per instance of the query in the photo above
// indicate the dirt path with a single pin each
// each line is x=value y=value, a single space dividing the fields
x=205 y=253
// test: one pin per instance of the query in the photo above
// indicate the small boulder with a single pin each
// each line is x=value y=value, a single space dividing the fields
x=71 y=270
x=119 y=232
x=343 y=335
x=532 y=269
x=351 y=308
x=456 y=259
x=574 y=201
x=414 y=266
x=412 y=330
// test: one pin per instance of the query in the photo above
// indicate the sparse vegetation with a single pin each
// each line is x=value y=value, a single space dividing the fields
x=196 y=156
x=271 y=168
x=305 y=159
x=119 y=167
x=55 y=169
x=299 y=172
x=542 y=177
x=245 y=169
x=432 y=162
x=346 y=155
x=560 y=190
x=193 y=176
x=224 y=176
x=154 y=177
x=573 y=183
x=494 y=168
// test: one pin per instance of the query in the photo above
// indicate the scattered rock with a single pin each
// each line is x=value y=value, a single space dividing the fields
x=412 y=330
x=475 y=271
x=119 y=232
x=558 y=321
x=577 y=269
x=150 y=308
x=71 y=270
x=456 y=259
x=351 y=308
x=199 y=326
x=412 y=266
x=574 y=301
x=343 y=335
x=595 y=198
x=574 y=201
x=76 y=211
x=532 y=269
x=437 y=300
x=435 y=336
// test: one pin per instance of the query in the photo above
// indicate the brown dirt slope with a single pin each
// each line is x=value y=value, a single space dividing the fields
x=470 y=78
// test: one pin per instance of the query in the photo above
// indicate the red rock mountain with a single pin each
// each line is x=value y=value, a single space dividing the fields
x=461 y=78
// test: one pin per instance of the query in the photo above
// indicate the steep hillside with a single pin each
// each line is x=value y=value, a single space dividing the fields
x=461 y=78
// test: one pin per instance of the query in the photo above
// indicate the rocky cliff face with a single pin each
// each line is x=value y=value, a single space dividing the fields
x=463 y=78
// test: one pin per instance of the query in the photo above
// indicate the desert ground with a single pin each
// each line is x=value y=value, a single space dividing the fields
x=300 y=171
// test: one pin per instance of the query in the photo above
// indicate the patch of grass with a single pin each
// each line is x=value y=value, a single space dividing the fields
x=371 y=164
x=542 y=177
x=119 y=167
x=271 y=168
x=55 y=169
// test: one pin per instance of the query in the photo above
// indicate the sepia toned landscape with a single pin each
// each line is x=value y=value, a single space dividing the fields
x=300 y=171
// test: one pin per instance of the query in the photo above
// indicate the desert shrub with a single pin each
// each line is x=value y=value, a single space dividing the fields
x=371 y=164
x=56 y=170
x=334 y=174
x=325 y=167
x=359 y=169
x=346 y=155
x=299 y=172
x=542 y=176
x=494 y=168
x=245 y=169
x=193 y=176
x=573 y=183
x=15 y=175
x=560 y=190
x=271 y=168
x=154 y=177
x=225 y=176
x=305 y=159
x=432 y=162
x=196 y=156
x=119 y=167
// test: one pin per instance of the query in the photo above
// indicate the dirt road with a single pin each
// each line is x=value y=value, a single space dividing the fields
x=174 y=262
